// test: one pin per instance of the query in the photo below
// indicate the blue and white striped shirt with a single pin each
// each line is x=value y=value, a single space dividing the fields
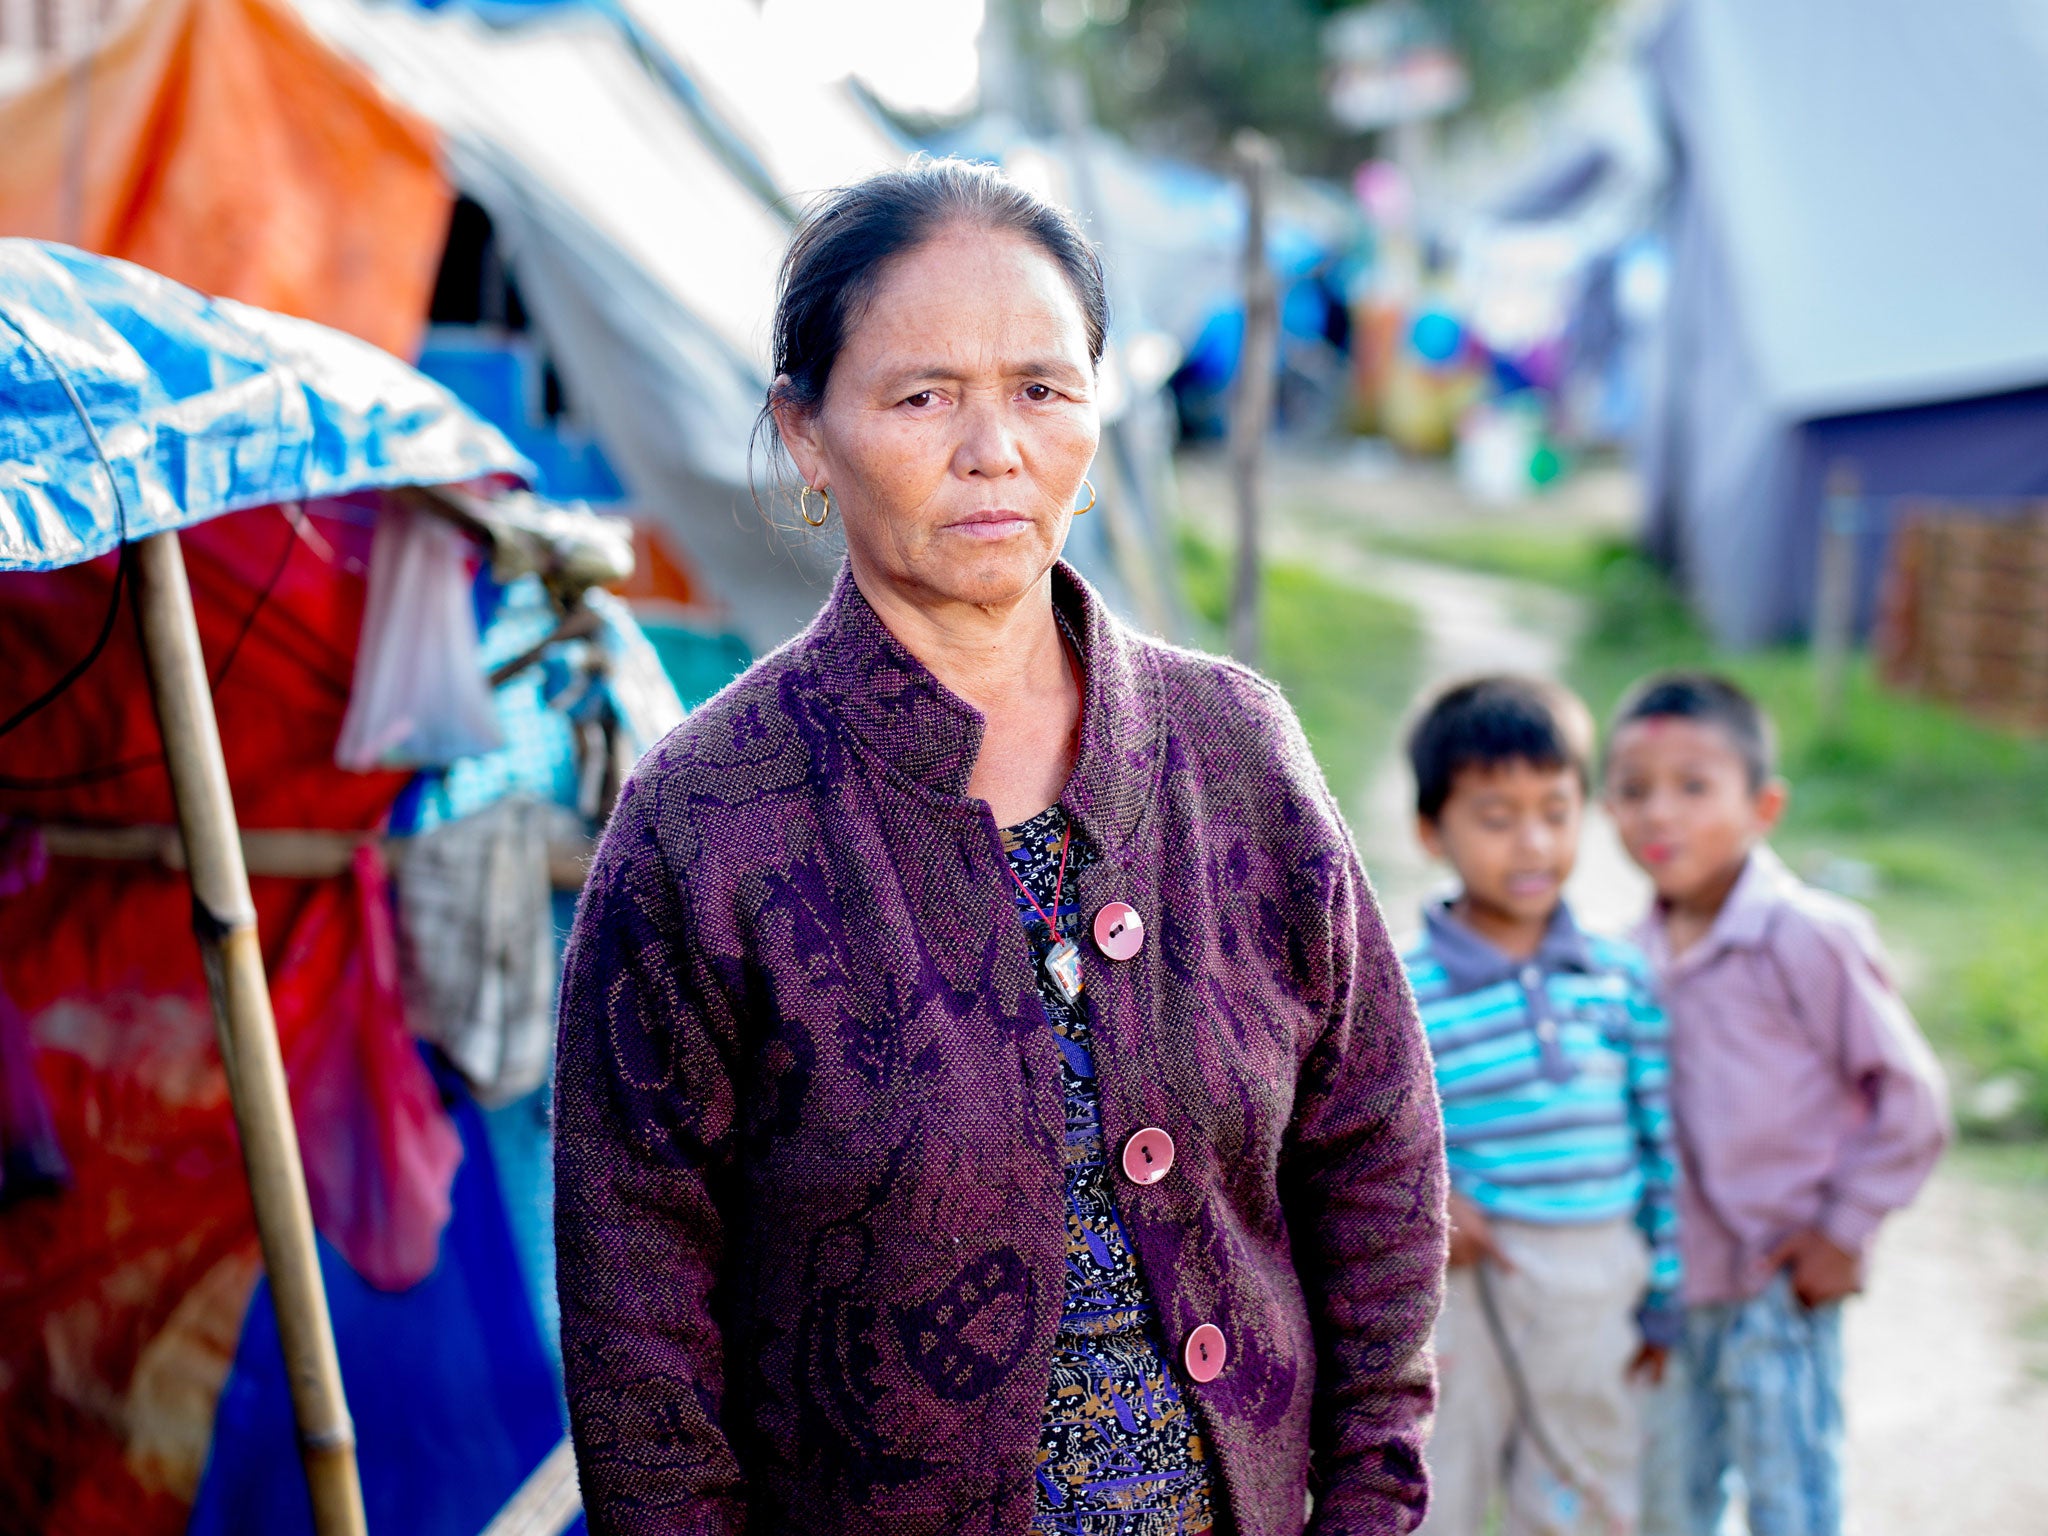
x=1552 y=1074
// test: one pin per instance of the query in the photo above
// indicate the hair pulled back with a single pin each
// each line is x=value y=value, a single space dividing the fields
x=840 y=250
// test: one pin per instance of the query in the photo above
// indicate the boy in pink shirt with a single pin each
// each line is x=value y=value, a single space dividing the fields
x=1806 y=1103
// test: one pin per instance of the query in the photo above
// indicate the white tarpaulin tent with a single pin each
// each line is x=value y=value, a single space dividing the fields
x=1857 y=229
x=647 y=263
x=646 y=256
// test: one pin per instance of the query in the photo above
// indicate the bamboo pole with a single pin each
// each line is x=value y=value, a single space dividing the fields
x=224 y=917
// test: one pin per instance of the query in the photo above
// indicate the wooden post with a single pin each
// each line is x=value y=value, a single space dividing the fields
x=1251 y=401
x=1834 y=601
x=224 y=915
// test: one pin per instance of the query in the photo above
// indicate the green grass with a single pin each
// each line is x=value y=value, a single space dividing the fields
x=2007 y=1167
x=1346 y=659
x=1951 y=815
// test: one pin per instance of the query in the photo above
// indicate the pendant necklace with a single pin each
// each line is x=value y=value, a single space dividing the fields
x=1063 y=960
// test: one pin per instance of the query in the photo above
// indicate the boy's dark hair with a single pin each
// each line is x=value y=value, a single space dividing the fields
x=1712 y=700
x=1490 y=721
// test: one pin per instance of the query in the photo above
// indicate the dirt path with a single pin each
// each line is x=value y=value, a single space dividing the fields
x=1947 y=1403
x=1947 y=1400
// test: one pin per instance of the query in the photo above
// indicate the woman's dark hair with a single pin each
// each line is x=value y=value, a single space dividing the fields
x=1489 y=722
x=846 y=240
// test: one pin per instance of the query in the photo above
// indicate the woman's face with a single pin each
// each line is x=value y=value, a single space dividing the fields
x=958 y=421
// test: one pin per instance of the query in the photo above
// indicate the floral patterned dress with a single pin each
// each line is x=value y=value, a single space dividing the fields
x=1120 y=1454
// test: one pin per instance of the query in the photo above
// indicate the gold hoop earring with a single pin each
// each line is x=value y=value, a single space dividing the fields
x=803 y=505
x=1091 y=497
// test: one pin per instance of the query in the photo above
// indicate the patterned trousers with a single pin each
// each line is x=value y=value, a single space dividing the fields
x=1753 y=1402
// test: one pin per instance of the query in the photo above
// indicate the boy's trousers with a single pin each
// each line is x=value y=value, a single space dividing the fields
x=1568 y=1310
x=1756 y=1391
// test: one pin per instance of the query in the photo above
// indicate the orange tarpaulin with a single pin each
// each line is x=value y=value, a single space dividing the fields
x=222 y=144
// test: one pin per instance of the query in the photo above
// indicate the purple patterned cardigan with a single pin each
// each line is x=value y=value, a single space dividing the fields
x=809 y=1115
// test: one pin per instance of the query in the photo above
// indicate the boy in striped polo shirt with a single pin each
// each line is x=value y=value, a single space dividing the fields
x=1549 y=1052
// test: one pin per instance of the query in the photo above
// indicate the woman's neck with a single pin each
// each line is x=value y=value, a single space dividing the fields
x=1010 y=663
x=982 y=655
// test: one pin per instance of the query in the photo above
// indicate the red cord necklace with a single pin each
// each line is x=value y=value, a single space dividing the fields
x=1063 y=960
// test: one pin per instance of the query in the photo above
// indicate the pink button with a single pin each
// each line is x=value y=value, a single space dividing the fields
x=1119 y=931
x=1206 y=1352
x=1148 y=1156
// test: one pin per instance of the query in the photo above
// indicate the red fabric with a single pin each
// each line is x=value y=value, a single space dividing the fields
x=100 y=957
x=280 y=700
x=380 y=1167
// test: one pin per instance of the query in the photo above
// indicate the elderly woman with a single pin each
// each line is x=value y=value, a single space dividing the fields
x=988 y=1100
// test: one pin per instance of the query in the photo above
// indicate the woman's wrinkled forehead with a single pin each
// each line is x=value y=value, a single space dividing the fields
x=968 y=296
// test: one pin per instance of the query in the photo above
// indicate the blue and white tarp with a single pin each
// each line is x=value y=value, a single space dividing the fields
x=202 y=406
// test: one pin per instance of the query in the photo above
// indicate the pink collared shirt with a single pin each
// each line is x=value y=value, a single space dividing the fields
x=1802 y=1090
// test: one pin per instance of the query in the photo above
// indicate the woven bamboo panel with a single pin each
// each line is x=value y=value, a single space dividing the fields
x=1965 y=611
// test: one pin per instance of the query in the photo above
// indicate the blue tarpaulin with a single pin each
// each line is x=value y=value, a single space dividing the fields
x=203 y=406
x=450 y=1384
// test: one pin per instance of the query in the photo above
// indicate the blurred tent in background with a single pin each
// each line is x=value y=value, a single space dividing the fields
x=1504 y=318
x=1581 y=219
x=1857 y=226
x=627 y=176
x=644 y=257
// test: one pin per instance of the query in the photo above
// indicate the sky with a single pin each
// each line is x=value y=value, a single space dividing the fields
x=918 y=56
